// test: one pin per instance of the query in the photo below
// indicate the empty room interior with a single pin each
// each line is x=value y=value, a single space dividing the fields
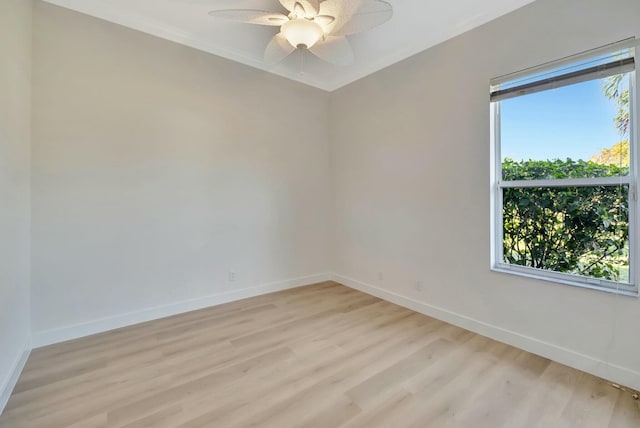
x=319 y=213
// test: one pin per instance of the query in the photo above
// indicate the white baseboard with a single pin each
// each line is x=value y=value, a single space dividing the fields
x=622 y=375
x=7 y=386
x=48 y=337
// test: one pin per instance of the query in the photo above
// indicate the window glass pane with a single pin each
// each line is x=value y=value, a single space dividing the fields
x=574 y=230
x=576 y=131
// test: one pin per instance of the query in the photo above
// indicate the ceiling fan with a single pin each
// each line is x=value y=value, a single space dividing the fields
x=317 y=26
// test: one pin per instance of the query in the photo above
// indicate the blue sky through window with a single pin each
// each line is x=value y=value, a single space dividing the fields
x=575 y=121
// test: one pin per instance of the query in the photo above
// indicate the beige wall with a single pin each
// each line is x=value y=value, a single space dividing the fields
x=157 y=169
x=15 y=75
x=411 y=169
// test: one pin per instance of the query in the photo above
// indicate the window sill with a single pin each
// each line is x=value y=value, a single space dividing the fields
x=535 y=275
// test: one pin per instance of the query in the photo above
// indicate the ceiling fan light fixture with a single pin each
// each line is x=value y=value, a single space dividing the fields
x=302 y=33
x=319 y=26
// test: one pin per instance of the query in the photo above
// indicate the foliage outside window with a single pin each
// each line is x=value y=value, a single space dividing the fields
x=564 y=194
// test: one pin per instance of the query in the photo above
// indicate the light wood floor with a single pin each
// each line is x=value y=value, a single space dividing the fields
x=319 y=356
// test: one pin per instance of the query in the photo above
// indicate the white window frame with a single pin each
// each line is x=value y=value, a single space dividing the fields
x=498 y=185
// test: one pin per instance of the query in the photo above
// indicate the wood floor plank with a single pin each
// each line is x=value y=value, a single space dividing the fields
x=317 y=356
x=546 y=399
x=627 y=409
x=591 y=404
x=267 y=399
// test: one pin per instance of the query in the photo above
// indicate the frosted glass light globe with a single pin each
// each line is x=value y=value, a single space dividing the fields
x=302 y=33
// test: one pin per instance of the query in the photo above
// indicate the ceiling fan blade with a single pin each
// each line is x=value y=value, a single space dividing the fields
x=298 y=9
x=278 y=49
x=310 y=7
x=357 y=16
x=324 y=20
x=251 y=16
x=336 y=50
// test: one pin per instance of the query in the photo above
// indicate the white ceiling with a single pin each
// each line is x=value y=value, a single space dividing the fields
x=415 y=26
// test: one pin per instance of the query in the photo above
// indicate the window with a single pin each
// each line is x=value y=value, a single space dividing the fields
x=564 y=171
